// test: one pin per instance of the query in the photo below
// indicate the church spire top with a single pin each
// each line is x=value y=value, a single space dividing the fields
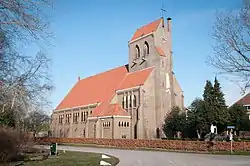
x=163 y=10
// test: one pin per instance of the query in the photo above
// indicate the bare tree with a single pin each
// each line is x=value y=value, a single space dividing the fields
x=232 y=48
x=25 y=81
x=24 y=20
x=36 y=121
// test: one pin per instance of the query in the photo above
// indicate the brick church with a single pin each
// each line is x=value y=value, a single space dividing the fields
x=127 y=102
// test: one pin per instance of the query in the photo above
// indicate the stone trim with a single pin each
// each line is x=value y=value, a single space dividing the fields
x=128 y=89
x=149 y=34
x=103 y=117
x=82 y=106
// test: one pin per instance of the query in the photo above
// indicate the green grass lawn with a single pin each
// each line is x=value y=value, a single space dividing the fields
x=74 y=159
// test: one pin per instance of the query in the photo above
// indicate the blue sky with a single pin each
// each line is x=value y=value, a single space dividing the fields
x=92 y=36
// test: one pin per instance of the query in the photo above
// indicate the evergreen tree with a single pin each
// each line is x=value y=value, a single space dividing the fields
x=215 y=105
x=208 y=92
x=218 y=94
x=220 y=111
x=208 y=98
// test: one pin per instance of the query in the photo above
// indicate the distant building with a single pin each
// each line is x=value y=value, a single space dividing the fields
x=245 y=101
x=127 y=102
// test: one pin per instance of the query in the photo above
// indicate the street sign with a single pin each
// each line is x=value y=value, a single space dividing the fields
x=231 y=127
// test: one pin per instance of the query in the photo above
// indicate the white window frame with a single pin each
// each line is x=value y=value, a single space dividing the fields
x=247 y=107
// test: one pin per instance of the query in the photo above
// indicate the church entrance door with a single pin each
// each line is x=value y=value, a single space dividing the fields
x=157 y=133
x=135 y=131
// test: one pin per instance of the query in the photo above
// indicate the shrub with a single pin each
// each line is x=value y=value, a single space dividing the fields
x=9 y=142
x=13 y=143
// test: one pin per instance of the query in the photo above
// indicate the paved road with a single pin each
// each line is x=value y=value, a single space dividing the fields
x=156 y=158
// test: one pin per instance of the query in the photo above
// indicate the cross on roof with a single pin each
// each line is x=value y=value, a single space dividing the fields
x=163 y=10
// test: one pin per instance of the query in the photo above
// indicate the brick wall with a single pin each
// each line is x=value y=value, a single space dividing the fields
x=163 y=144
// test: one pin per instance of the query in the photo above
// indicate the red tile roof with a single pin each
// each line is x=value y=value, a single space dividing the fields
x=112 y=109
x=97 y=88
x=244 y=100
x=160 y=51
x=101 y=89
x=151 y=27
x=136 y=78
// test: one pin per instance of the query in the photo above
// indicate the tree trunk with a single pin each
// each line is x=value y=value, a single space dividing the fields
x=198 y=134
x=13 y=101
x=3 y=108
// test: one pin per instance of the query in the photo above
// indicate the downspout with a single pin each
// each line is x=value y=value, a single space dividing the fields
x=113 y=127
x=137 y=110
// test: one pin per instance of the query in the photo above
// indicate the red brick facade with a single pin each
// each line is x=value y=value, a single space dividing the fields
x=162 y=144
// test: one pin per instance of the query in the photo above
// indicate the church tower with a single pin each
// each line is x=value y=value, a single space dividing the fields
x=151 y=45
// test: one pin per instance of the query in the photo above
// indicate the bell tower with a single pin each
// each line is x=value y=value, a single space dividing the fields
x=151 y=46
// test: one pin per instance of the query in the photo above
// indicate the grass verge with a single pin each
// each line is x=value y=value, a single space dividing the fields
x=74 y=158
x=244 y=153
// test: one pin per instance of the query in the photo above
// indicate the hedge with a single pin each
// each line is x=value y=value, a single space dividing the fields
x=163 y=144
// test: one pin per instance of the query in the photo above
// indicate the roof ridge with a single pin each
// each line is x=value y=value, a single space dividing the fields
x=146 y=29
x=103 y=72
x=132 y=81
x=149 y=23
x=243 y=97
x=141 y=70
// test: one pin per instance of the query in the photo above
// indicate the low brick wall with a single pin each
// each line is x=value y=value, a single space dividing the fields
x=163 y=144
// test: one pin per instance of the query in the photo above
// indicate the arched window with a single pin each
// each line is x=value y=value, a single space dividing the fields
x=123 y=104
x=146 y=48
x=134 y=101
x=119 y=124
x=122 y=124
x=137 y=51
x=124 y=101
x=130 y=101
x=127 y=124
x=127 y=99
